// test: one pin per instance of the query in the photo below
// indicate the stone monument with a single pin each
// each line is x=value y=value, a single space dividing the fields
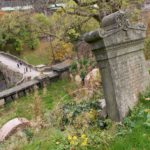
x=118 y=48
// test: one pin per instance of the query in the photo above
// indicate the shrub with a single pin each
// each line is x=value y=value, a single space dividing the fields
x=82 y=67
x=61 y=50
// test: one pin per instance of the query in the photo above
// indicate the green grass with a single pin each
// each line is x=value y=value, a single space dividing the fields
x=34 y=58
x=46 y=140
x=133 y=134
x=23 y=107
x=137 y=134
x=40 y=55
x=138 y=140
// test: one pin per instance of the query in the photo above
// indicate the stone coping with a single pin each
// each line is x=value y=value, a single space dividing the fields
x=61 y=66
x=18 y=88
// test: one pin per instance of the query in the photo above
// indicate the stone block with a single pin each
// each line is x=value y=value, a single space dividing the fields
x=61 y=67
x=2 y=102
x=11 y=126
x=119 y=53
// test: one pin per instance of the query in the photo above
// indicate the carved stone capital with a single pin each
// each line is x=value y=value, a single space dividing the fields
x=115 y=21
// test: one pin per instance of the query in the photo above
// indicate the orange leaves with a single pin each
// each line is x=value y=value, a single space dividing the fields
x=62 y=50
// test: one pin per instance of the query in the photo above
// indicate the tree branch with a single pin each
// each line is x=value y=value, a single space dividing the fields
x=83 y=14
x=85 y=3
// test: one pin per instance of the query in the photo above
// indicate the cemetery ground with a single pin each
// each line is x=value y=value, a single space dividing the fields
x=62 y=120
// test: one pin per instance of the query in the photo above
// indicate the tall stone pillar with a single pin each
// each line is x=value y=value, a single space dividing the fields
x=119 y=53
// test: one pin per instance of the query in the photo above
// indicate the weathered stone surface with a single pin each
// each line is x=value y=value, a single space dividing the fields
x=119 y=53
x=41 y=67
x=3 y=84
x=11 y=126
x=10 y=77
x=115 y=21
x=92 y=78
x=2 y=102
x=61 y=66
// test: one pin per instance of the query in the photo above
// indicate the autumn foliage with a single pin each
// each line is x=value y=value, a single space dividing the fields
x=62 y=50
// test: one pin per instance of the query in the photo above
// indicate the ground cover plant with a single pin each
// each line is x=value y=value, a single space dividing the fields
x=135 y=130
x=70 y=121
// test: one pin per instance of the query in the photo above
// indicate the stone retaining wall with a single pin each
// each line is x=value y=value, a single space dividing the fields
x=27 y=87
x=11 y=77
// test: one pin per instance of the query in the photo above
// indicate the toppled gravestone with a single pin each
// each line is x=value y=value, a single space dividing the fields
x=11 y=126
x=118 y=49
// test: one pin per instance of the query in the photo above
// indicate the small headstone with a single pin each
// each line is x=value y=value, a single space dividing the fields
x=11 y=126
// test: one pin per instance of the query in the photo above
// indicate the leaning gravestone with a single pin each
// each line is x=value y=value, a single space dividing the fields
x=119 y=52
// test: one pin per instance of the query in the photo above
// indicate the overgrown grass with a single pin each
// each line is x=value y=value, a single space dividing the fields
x=132 y=134
x=135 y=132
x=23 y=107
x=40 y=55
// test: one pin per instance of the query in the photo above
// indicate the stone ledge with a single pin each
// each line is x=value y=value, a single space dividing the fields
x=61 y=67
x=18 y=88
x=8 y=94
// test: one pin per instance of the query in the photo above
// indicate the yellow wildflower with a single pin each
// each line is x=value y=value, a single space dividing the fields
x=147 y=110
x=69 y=137
x=92 y=114
x=85 y=141
x=83 y=136
x=74 y=138
x=57 y=142
x=72 y=142
x=91 y=111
